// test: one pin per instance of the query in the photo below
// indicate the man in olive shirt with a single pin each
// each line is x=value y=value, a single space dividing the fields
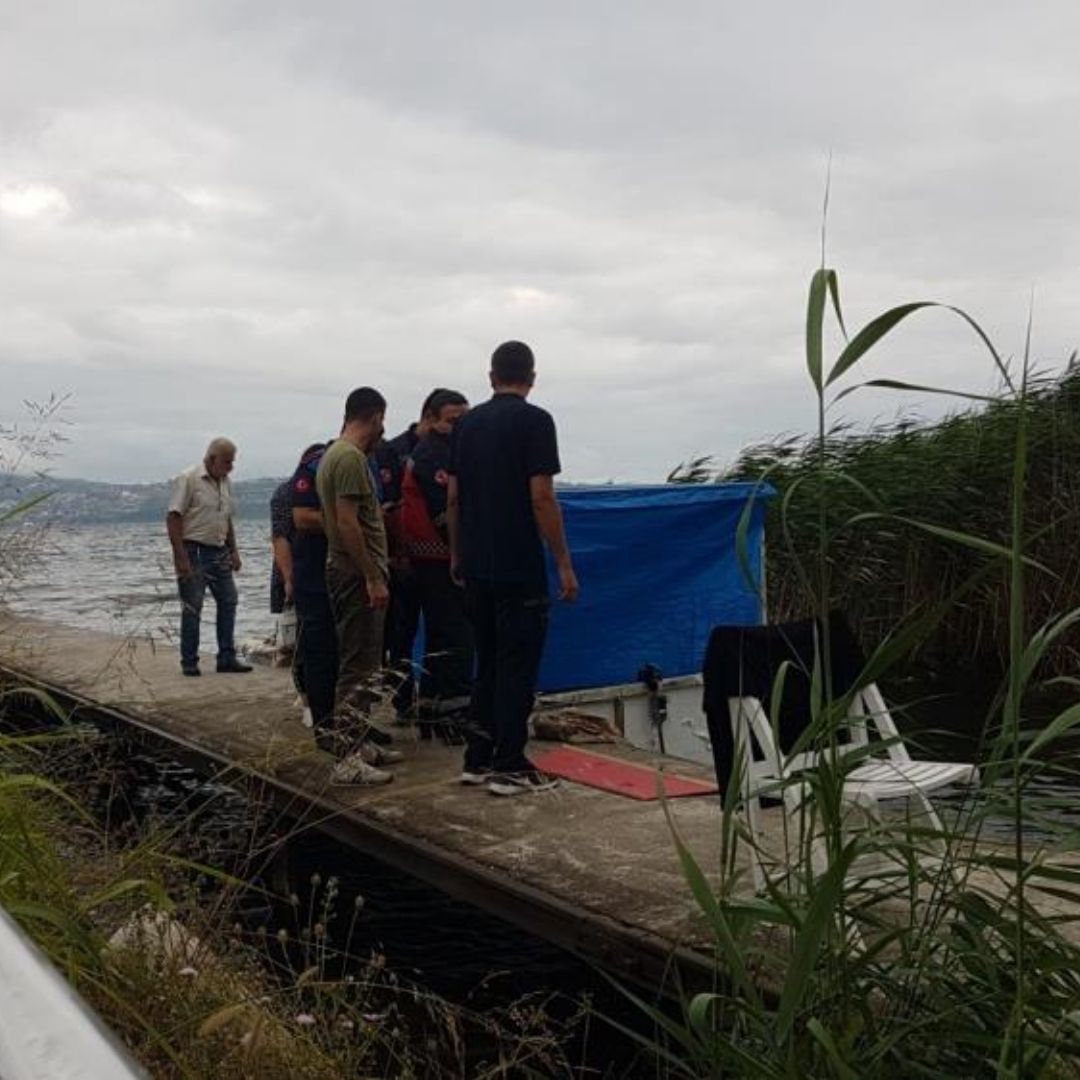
x=200 y=527
x=357 y=572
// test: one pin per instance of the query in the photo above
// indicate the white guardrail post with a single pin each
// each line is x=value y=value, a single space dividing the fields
x=47 y=1032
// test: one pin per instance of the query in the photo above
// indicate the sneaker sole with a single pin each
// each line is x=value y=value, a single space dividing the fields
x=474 y=779
x=509 y=791
x=363 y=782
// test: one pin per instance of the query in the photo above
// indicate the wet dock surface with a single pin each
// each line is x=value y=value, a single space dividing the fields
x=592 y=871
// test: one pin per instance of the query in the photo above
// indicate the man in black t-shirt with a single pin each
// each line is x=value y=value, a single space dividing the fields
x=501 y=509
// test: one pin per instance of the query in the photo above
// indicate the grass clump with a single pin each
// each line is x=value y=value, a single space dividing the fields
x=154 y=941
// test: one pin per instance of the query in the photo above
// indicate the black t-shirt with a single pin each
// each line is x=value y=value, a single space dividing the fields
x=308 y=548
x=497 y=448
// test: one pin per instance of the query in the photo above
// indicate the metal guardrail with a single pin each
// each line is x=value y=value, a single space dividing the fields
x=47 y=1032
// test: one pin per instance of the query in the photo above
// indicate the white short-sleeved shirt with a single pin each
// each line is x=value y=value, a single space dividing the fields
x=204 y=504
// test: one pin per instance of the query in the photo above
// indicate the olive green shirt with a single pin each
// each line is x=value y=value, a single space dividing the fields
x=344 y=473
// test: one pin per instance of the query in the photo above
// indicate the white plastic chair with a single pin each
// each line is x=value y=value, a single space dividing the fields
x=883 y=770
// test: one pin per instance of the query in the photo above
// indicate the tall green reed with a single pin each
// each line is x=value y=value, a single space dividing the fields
x=961 y=466
x=965 y=964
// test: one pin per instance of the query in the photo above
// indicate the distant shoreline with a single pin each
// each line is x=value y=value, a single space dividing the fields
x=93 y=502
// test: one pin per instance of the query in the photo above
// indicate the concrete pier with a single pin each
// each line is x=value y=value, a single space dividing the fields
x=593 y=872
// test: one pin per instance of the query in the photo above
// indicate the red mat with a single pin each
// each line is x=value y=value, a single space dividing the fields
x=612 y=774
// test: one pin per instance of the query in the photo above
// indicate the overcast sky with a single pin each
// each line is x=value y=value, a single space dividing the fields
x=219 y=217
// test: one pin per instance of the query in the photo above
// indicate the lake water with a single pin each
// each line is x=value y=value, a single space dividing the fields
x=119 y=578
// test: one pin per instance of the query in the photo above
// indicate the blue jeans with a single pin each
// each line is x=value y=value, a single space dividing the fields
x=211 y=568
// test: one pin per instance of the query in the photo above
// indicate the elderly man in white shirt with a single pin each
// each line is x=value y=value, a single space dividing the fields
x=200 y=527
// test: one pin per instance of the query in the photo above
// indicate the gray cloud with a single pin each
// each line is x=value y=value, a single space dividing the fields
x=218 y=217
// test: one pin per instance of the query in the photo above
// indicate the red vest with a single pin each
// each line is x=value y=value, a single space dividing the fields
x=422 y=540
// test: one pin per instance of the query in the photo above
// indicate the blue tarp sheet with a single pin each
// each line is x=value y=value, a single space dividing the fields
x=658 y=569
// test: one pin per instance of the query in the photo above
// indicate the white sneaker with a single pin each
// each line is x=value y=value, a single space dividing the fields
x=306 y=718
x=523 y=783
x=379 y=755
x=355 y=770
x=475 y=777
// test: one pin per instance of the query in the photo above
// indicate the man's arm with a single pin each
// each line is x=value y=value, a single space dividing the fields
x=174 y=526
x=453 y=530
x=549 y=521
x=307 y=519
x=283 y=561
x=234 y=551
x=352 y=540
x=179 y=501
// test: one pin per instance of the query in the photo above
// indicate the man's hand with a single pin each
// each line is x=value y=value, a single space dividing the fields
x=378 y=593
x=568 y=583
x=184 y=569
x=456 y=576
x=234 y=560
x=288 y=591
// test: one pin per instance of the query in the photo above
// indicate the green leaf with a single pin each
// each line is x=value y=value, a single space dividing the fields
x=896 y=384
x=834 y=292
x=826 y=1041
x=820 y=916
x=731 y=952
x=1043 y=638
x=701 y=1014
x=815 y=322
x=977 y=543
x=1061 y=725
x=153 y=890
x=870 y=335
x=742 y=539
x=24 y=507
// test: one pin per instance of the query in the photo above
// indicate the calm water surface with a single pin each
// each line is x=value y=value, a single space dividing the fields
x=119 y=578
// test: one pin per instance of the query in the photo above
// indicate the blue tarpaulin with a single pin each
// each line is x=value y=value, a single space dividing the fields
x=658 y=568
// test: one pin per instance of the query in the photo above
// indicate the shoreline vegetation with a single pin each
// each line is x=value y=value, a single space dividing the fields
x=945 y=543
x=885 y=483
x=904 y=947
x=151 y=939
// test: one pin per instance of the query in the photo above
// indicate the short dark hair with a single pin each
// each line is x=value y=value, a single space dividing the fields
x=363 y=404
x=513 y=363
x=439 y=399
x=425 y=409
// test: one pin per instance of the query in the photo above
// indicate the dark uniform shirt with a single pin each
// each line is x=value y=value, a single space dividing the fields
x=431 y=468
x=390 y=457
x=496 y=449
x=281 y=528
x=309 y=548
x=423 y=504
